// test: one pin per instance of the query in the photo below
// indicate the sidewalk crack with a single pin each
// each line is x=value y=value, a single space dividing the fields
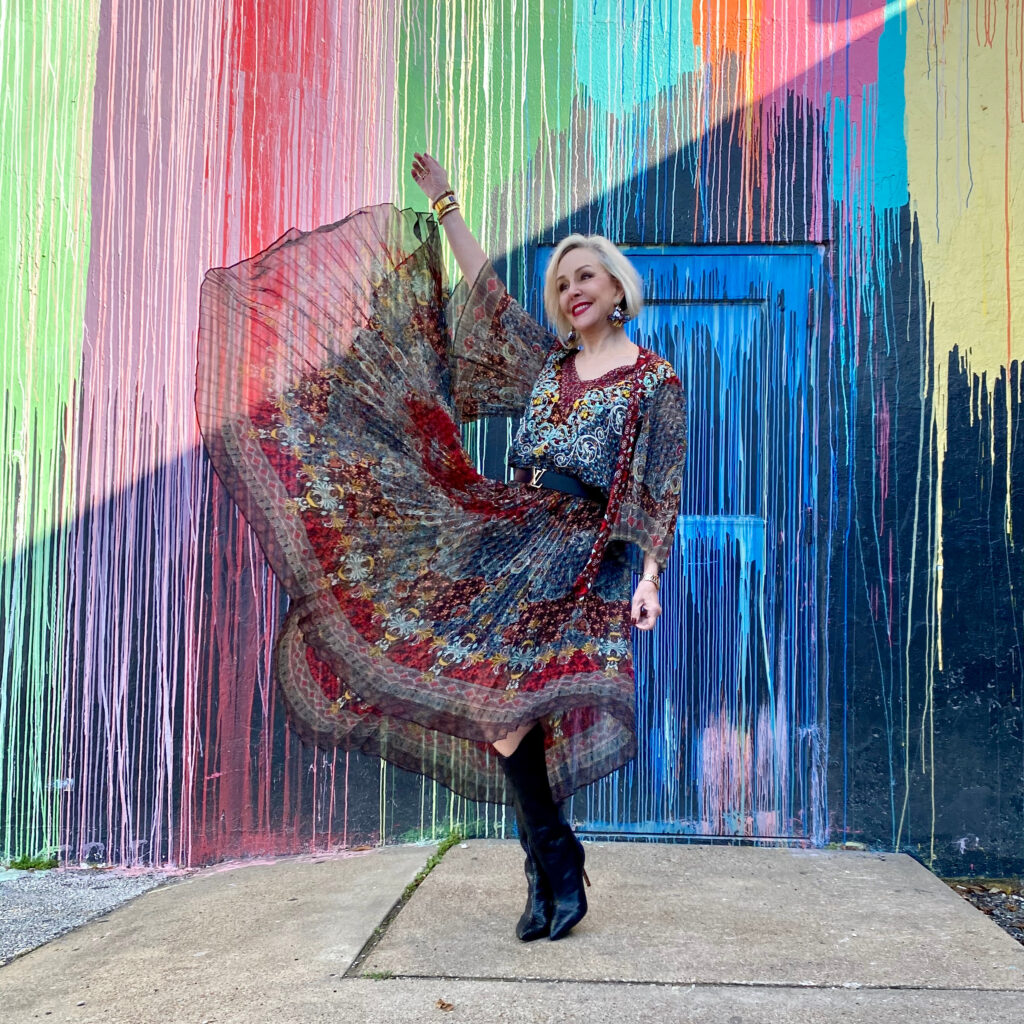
x=381 y=930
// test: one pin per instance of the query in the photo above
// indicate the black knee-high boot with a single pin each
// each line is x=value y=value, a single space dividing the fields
x=557 y=853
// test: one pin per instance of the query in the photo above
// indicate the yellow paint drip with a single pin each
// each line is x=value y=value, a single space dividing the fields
x=965 y=152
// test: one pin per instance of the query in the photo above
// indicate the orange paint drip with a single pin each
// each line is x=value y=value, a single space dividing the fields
x=728 y=26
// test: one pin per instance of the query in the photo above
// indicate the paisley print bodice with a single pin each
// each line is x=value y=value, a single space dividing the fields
x=574 y=426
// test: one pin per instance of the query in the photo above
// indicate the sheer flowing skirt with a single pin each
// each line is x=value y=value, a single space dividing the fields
x=431 y=608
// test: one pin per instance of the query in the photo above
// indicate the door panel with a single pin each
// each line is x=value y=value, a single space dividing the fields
x=728 y=693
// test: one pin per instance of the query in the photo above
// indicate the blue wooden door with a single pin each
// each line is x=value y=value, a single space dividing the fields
x=729 y=690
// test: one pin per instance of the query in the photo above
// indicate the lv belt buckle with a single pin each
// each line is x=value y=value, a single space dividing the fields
x=535 y=477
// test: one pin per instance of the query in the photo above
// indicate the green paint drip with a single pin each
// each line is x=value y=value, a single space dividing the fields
x=48 y=61
x=480 y=84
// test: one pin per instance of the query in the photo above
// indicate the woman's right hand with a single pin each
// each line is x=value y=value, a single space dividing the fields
x=430 y=176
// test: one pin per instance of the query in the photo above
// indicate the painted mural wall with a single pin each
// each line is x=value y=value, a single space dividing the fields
x=144 y=141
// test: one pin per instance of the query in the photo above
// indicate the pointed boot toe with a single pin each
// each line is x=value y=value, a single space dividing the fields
x=560 y=856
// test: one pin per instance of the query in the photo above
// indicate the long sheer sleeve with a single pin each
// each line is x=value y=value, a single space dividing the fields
x=650 y=505
x=496 y=350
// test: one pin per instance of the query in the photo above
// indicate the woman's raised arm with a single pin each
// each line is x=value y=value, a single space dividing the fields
x=433 y=179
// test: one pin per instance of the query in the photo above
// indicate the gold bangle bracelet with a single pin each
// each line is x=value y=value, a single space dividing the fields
x=652 y=577
x=445 y=204
x=448 y=209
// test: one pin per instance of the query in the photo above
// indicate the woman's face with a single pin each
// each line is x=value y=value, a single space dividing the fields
x=587 y=293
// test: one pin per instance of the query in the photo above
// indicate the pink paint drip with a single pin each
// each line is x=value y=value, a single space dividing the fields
x=882 y=455
x=818 y=57
x=216 y=127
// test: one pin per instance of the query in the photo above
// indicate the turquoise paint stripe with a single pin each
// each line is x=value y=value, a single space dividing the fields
x=660 y=49
x=876 y=138
x=891 y=189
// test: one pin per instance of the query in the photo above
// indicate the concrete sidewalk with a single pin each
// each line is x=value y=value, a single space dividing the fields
x=676 y=933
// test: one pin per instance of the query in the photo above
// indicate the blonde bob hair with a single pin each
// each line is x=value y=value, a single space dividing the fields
x=610 y=257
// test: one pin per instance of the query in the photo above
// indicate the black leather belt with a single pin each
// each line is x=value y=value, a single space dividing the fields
x=552 y=481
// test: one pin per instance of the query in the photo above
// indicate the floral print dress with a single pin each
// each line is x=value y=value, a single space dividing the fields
x=433 y=610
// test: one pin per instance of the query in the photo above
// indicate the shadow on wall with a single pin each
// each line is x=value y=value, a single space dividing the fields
x=925 y=760
x=160 y=735
x=169 y=742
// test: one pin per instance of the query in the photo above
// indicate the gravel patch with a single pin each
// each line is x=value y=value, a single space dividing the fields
x=1000 y=899
x=37 y=906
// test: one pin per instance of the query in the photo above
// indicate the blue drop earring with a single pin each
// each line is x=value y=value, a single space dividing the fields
x=618 y=316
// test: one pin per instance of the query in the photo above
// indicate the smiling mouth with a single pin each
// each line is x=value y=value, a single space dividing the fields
x=580 y=307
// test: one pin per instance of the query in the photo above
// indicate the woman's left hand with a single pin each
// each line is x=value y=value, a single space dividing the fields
x=430 y=176
x=646 y=606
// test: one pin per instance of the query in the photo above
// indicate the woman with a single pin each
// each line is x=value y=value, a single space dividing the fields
x=471 y=630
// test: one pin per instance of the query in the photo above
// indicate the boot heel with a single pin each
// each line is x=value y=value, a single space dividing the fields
x=583 y=857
